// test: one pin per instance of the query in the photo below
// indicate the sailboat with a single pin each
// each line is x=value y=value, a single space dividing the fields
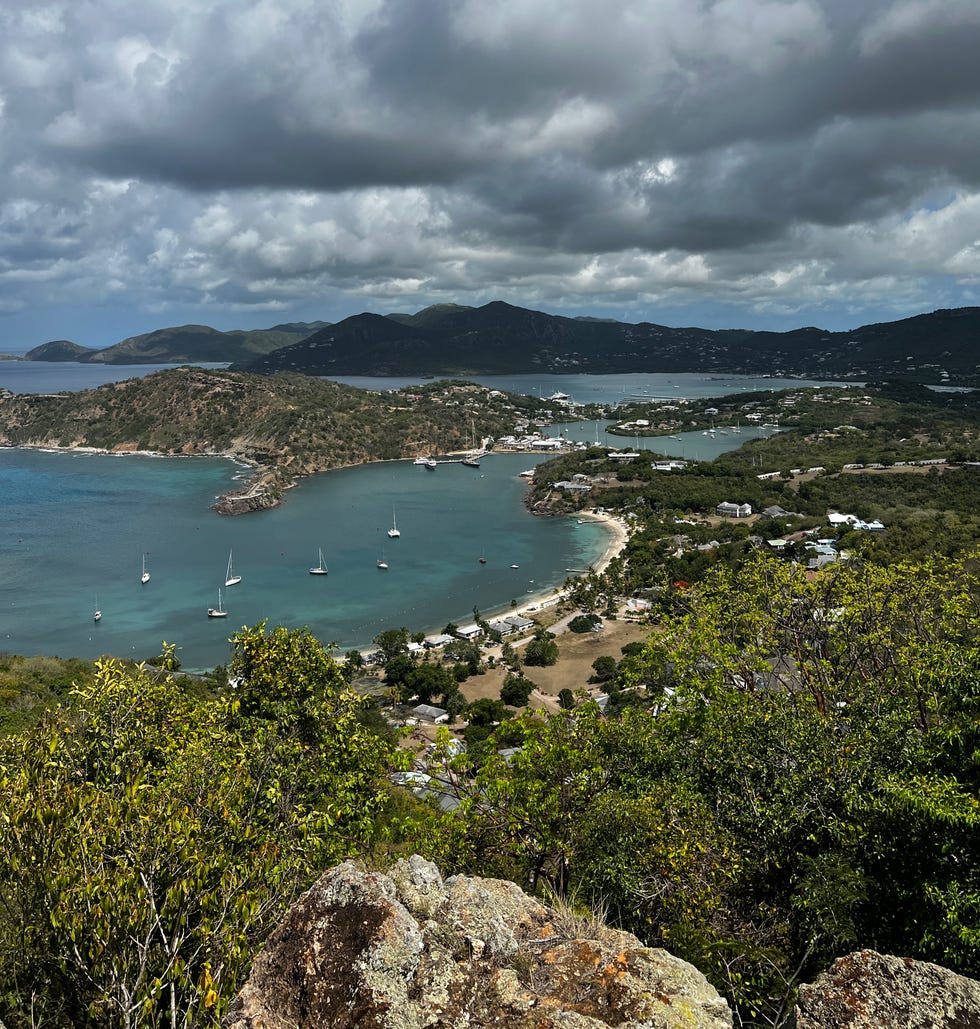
x=230 y=578
x=98 y=611
x=393 y=532
x=319 y=568
x=382 y=562
x=217 y=612
x=145 y=577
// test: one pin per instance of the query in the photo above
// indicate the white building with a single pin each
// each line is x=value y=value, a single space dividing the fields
x=729 y=510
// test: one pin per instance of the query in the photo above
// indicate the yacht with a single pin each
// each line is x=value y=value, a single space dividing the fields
x=319 y=568
x=219 y=611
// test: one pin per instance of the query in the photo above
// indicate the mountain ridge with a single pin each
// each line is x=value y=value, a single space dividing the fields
x=938 y=347
x=498 y=338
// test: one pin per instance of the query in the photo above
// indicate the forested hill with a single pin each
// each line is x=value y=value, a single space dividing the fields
x=287 y=425
x=498 y=338
x=180 y=344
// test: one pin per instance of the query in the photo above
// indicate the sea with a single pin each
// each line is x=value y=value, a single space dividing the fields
x=76 y=528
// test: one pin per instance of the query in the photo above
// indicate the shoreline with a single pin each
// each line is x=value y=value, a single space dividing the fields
x=551 y=596
x=528 y=605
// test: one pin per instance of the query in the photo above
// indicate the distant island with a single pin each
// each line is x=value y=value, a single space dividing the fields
x=180 y=344
x=451 y=340
x=286 y=427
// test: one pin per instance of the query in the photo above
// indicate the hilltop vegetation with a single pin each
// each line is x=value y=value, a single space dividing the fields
x=796 y=778
x=289 y=426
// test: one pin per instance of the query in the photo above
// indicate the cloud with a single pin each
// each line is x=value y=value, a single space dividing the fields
x=228 y=156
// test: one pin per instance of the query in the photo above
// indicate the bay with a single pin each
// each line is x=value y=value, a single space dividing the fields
x=74 y=529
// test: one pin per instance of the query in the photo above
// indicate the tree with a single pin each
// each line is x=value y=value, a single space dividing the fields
x=516 y=690
x=150 y=838
x=391 y=643
x=542 y=650
x=566 y=699
x=605 y=668
x=583 y=623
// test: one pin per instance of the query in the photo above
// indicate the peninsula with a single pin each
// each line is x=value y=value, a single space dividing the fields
x=285 y=426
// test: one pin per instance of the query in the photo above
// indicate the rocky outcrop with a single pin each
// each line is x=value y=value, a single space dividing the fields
x=409 y=950
x=867 y=990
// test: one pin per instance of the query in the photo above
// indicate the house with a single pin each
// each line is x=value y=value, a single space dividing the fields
x=520 y=623
x=572 y=487
x=470 y=631
x=775 y=511
x=502 y=626
x=438 y=640
x=729 y=510
x=429 y=713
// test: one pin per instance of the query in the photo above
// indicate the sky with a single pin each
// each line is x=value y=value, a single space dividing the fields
x=722 y=163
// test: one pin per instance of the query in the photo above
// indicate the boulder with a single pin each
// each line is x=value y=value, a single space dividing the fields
x=410 y=950
x=867 y=990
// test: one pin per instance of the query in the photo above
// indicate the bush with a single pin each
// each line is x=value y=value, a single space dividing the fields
x=583 y=623
x=541 y=651
x=516 y=690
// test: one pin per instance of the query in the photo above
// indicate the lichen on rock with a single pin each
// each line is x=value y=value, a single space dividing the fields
x=410 y=950
x=868 y=990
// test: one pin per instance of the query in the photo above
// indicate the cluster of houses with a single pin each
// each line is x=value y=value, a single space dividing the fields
x=536 y=443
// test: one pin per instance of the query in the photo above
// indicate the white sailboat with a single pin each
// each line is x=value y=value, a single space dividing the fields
x=219 y=611
x=145 y=577
x=97 y=616
x=382 y=562
x=393 y=532
x=230 y=578
x=319 y=568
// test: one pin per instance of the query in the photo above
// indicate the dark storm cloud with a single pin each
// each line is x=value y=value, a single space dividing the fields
x=237 y=154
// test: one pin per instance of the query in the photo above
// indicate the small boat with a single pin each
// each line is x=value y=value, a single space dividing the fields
x=230 y=578
x=217 y=612
x=393 y=532
x=319 y=568
x=430 y=464
x=515 y=566
x=97 y=617
x=145 y=577
x=471 y=462
x=483 y=560
x=382 y=564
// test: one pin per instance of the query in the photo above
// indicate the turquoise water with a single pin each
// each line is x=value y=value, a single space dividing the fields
x=74 y=528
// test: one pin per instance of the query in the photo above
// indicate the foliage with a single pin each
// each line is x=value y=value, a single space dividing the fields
x=582 y=623
x=605 y=668
x=391 y=643
x=149 y=839
x=802 y=781
x=516 y=690
x=542 y=650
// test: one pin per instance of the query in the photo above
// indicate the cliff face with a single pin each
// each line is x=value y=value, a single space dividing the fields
x=409 y=950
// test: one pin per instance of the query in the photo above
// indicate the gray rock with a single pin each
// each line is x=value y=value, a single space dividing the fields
x=867 y=990
x=408 y=950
